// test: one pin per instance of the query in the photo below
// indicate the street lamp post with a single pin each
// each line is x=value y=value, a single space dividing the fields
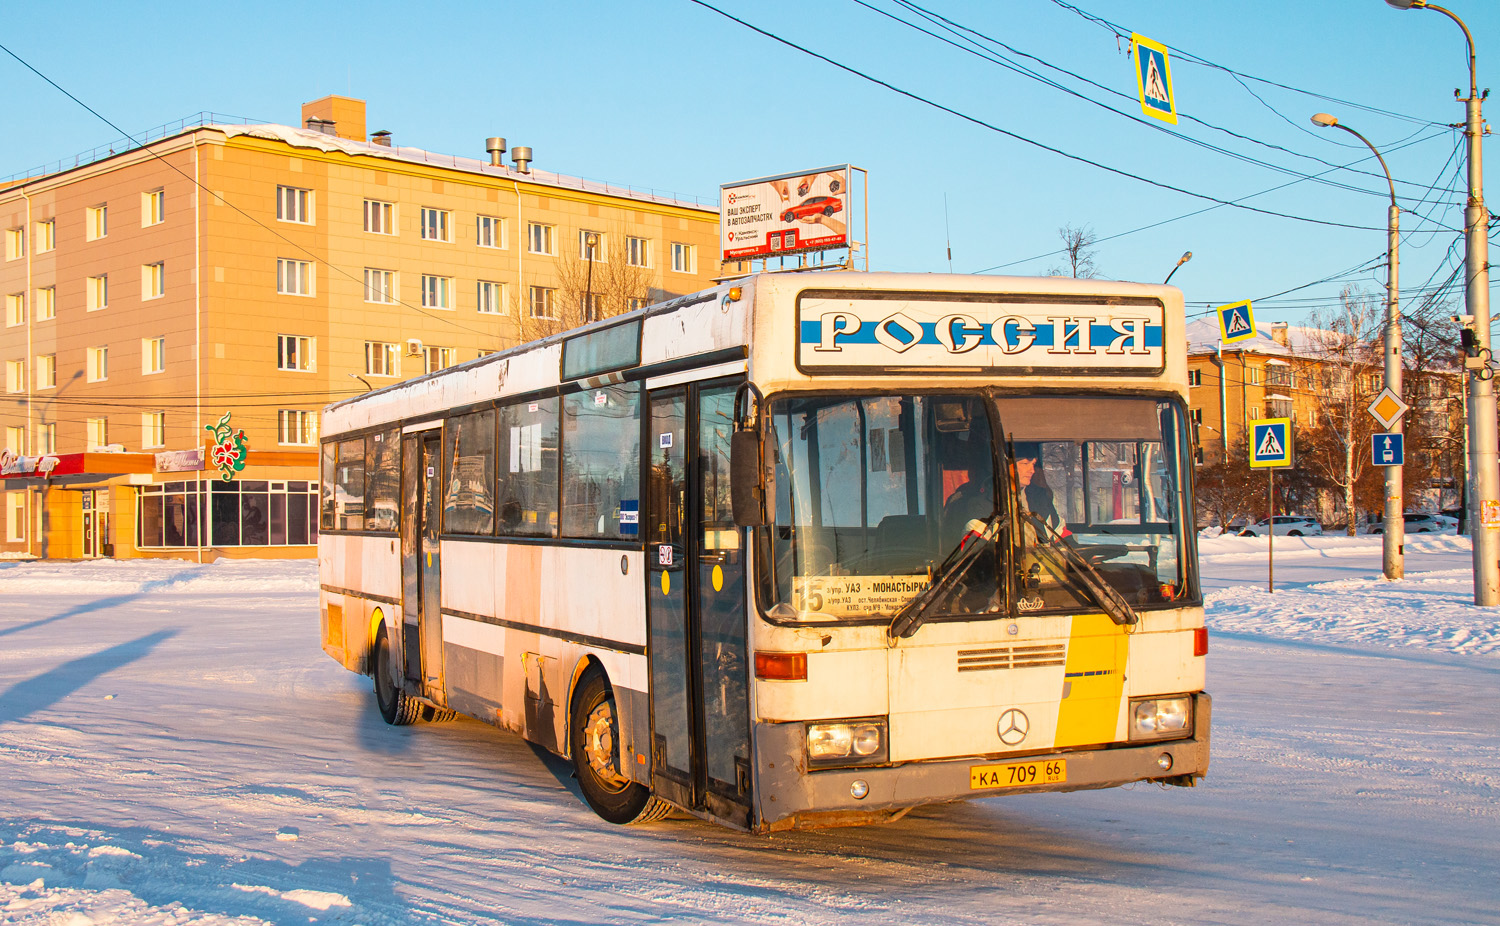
x=1392 y=535
x=1186 y=256
x=1484 y=460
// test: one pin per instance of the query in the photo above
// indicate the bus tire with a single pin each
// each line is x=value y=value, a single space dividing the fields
x=437 y=714
x=396 y=707
x=594 y=741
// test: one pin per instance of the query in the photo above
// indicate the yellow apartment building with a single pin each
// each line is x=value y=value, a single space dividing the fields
x=1275 y=374
x=260 y=272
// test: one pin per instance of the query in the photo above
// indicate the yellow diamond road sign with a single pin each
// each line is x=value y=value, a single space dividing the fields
x=1387 y=408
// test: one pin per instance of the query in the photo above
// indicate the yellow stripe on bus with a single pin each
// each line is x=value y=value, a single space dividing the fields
x=1093 y=682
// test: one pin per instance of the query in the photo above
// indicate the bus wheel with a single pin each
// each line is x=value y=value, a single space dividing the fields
x=438 y=714
x=594 y=740
x=397 y=709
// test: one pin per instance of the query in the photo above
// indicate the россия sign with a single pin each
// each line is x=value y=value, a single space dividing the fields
x=870 y=330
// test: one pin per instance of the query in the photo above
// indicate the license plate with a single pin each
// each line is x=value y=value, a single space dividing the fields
x=1018 y=774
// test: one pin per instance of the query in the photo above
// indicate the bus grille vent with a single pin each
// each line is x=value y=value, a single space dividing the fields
x=1012 y=657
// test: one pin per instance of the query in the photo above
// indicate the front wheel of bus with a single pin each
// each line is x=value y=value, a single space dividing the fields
x=397 y=709
x=594 y=740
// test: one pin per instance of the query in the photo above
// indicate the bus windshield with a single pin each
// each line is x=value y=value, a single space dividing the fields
x=873 y=493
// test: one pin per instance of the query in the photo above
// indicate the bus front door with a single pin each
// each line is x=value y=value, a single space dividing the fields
x=696 y=606
x=421 y=565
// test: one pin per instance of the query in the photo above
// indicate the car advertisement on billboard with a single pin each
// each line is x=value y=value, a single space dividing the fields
x=788 y=214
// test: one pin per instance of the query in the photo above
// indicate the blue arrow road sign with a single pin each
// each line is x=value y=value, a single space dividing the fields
x=1387 y=449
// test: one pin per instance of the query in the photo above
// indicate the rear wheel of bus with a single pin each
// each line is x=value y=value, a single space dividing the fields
x=594 y=741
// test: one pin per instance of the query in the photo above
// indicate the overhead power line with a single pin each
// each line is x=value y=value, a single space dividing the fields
x=1017 y=136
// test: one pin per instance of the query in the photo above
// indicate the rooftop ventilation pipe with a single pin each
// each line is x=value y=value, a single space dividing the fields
x=381 y=138
x=496 y=148
x=522 y=159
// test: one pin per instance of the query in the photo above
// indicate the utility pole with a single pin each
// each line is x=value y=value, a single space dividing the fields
x=1392 y=538
x=1484 y=459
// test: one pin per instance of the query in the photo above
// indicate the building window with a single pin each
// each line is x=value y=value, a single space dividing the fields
x=15 y=440
x=380 y=285
x=435 y=224
x=380 y=218
x=1196 y=414
x=437 y=292
x=15 y=516
x=591 y=306
x=98 y=433
x=294 y=277
x=15 y=243
x=242 y=513
x=294 y=352
x=153 y=280
x=439 y=358
x=46 y=371
x=153 y=355
x=587 y=251
x=46 y=303
x=541 y=302
x=95 y=222
x=539 y=238
x=153 y=429
x=684 y=258
x=1280 y=408
x=1255 y=412
x=635 y=302
x=1195 y=377
x=15 y=376
x=638 y=252
x=98 y=364
x=46 y=438
x=46 y=236
x=380 y=358
x=491 y=298
x=15 y=309
x=294 y=205
x=1278 y=375
x=96 y=292
x=296 y=428
x=153 y=208
x=490 y=231
x=1254 y=374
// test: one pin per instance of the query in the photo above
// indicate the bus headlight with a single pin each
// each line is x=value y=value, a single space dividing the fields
x=1160 y=718
x=846 y=742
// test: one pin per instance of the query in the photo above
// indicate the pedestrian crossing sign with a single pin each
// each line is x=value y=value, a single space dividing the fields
x=1271 y=442
x=1236 y=321
x=1153 y=78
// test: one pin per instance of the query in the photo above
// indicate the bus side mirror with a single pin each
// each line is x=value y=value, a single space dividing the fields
x=747 y=493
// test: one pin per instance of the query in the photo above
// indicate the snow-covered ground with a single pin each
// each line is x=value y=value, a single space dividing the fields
x=175 y=748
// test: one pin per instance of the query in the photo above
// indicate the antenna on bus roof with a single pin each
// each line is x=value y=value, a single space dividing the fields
x=947 y=233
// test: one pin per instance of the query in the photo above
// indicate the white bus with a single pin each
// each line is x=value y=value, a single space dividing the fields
x=805 y=549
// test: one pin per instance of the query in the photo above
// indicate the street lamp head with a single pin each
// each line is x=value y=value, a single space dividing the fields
x=1406 y=4
x=1186 y=256
x=1324 y=119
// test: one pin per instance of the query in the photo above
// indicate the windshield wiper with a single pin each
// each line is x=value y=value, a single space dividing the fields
x=1058 y=552
x=955 y=564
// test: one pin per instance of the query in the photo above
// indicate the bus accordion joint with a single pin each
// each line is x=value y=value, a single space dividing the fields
x=781 y=667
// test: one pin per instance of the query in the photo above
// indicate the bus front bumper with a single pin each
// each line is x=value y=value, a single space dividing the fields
x=788 y=797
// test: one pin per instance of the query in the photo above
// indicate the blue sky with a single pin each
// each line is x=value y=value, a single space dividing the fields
x=669 y=95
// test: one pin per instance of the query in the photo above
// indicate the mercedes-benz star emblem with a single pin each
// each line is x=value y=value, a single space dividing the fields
x=1013 y=726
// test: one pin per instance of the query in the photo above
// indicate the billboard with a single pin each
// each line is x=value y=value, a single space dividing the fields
x=788 y=214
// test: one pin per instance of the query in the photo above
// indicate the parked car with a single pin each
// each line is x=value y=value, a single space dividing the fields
x=1420 y=522
x=1286 y=526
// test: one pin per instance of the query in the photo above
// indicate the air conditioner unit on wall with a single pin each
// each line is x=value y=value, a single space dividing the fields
x=413 y=347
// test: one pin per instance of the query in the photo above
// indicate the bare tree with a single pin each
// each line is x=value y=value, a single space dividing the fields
x=1078 y=253
x=1345 y=341
x=1228 y=491
x=1433 y=384
x=590 y=290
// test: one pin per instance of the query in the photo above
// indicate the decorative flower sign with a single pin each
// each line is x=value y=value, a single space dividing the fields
x=229 y=451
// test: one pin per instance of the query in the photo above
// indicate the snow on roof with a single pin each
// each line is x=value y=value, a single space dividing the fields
x=305 y=138
x=1203 y=334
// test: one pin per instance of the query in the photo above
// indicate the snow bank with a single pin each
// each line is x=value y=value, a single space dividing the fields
x=158 y=576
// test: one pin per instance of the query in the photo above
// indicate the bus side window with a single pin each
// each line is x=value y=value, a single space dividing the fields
x=601 y=474
x=469 y=454
x=329 y=479
x=526 y=490
x=349 y=490
x=383 y=467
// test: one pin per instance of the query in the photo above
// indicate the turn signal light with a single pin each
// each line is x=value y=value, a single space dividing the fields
x=1200 y=641
x=784 y=667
